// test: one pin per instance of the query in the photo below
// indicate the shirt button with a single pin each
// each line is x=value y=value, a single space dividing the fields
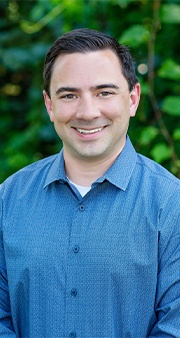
x=72 y=334
x=81 y=207
x=76 y=248
x=74 y=292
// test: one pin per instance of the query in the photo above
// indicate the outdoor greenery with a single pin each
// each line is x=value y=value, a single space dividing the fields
x=28 y=28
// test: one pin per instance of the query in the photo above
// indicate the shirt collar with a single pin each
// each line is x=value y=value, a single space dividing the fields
x=118 y=174
x=57 y=171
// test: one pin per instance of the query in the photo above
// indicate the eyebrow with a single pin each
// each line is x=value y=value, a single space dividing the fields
x=74 y=89
x=66 y=89
x=105 y=85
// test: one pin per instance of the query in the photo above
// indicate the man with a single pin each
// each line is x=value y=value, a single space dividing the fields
x=90 y=238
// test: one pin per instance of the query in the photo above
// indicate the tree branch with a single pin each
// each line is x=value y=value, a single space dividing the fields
x=154 y=102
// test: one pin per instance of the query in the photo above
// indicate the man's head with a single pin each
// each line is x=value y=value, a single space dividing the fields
x=86 y=40
x=91 y=91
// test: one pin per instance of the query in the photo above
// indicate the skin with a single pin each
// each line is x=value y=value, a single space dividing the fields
x=90 y=107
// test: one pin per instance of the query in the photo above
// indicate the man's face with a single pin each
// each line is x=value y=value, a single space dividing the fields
x=90 y=104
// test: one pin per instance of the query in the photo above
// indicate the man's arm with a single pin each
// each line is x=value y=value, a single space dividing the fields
x=6 y=327
x=168 y=289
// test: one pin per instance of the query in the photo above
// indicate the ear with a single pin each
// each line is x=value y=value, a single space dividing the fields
x=134 y=99
x=49 y=106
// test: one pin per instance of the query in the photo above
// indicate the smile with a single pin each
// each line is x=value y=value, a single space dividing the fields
x=91 y=131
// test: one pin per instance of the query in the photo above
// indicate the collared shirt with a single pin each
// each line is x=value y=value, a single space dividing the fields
x=106 y=265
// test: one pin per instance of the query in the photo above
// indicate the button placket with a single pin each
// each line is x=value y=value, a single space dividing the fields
x=72 y=274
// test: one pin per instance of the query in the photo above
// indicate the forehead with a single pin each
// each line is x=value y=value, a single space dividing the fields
x=102 y=58
x=87 y=68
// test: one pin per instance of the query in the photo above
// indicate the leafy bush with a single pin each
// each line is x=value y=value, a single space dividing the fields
x=28 y=28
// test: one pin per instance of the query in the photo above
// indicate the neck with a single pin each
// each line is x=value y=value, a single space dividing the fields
x=83 y=171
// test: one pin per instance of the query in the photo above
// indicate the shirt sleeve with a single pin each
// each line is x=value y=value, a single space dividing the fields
x=167 y=304
x=6 y=327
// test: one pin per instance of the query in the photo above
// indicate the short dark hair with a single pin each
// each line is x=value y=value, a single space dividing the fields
x=85 y=40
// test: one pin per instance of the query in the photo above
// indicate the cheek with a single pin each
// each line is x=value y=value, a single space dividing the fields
x=125 y=108
x=63 y=113
x=119 y=110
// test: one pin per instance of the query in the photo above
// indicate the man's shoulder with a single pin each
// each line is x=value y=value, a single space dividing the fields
x=156 y=173
x=30 y=172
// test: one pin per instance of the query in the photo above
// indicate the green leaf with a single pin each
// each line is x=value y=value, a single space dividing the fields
x=171 y=105
x=122 y=3
x=161 y=152
x=147 y=135
x=134 y=36
x=144 y=87
x=170 y=70
x=14 y=57
x=176 y=134
x=17 y=161
x=170 y=13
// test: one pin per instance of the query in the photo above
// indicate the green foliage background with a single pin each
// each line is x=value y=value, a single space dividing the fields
x=28 y=28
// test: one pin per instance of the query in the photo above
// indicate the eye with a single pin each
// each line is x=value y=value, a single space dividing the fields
x=105 y=93
x=68 y=96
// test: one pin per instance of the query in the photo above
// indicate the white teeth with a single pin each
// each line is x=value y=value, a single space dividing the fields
x=85 y=131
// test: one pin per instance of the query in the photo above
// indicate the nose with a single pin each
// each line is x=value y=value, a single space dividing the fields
x=88 y=109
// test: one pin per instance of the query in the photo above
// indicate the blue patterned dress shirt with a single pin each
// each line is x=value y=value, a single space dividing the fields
x=103 y=266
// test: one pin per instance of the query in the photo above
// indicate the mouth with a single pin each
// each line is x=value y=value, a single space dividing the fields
x=89 y=131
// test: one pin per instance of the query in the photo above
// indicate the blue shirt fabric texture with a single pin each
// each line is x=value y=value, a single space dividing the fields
x=106 y=265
